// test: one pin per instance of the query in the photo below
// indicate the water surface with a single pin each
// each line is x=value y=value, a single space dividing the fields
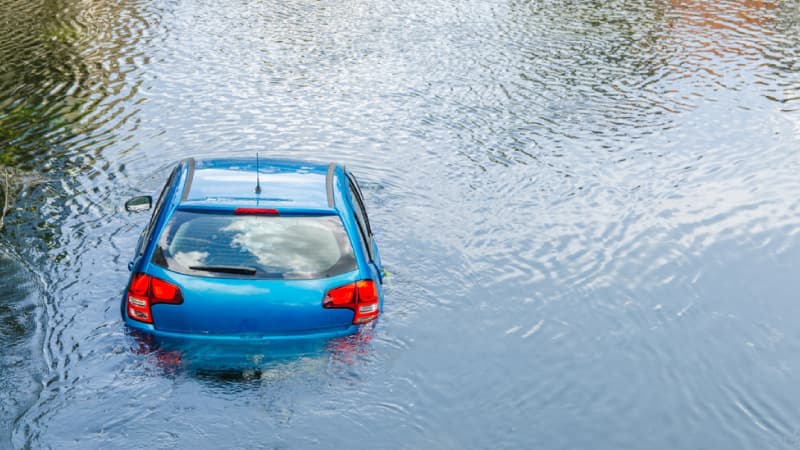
x=590 y=212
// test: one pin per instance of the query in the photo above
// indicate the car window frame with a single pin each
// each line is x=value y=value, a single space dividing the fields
x=362 y=220
x=361 y=201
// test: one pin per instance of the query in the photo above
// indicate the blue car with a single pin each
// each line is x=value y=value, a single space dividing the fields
x=247 y=249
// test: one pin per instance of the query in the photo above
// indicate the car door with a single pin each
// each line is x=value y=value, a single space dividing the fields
x=368 y=240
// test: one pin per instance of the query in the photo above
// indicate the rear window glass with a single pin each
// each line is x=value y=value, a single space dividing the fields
x=264 y=247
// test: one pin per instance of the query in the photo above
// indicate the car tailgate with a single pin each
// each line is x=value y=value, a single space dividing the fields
x=246 y=306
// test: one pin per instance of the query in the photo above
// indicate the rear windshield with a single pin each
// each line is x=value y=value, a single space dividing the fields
x=263 y=247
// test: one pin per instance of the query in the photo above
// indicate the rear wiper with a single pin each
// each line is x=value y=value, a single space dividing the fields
x=239 y=270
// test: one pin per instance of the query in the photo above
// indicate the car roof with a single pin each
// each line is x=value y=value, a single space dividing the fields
x=284 y=184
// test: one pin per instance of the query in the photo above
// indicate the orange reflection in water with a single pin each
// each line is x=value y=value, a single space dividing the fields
x=723 y=15
x=718 y=44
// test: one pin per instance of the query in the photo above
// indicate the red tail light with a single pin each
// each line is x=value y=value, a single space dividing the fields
x=361 y=297
x=341 y=297
x=146 y=291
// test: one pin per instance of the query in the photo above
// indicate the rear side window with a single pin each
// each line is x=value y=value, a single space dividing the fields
x=262 y=247
x=156 y=212
x=363 y=226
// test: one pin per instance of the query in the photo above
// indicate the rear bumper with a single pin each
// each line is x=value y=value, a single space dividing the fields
x=326 y=333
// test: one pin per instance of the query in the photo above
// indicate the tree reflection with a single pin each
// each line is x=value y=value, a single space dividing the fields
x=62 y=65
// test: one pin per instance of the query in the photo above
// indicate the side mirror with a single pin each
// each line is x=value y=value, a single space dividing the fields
x=140 y=203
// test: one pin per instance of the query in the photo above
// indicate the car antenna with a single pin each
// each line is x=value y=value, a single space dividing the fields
x=258 y=179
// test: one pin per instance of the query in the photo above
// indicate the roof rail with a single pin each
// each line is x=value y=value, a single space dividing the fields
x=190 y=163
x=329 y=183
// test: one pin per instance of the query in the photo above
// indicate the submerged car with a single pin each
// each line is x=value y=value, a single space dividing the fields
x=249 y=249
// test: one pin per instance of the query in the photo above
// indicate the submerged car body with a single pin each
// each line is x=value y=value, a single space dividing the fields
x=248 y=249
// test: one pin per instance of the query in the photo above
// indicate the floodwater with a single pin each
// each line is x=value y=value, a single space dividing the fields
x=590 y=212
